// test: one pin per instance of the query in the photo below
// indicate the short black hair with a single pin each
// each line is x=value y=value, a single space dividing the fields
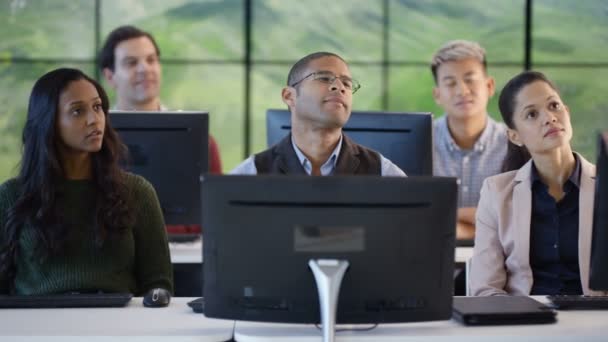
x=120 y=34
x=298 y=68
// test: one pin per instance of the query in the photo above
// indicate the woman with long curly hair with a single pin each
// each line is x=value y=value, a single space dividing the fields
x=72 y=219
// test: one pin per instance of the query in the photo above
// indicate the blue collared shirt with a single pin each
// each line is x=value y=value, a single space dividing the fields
x=554 y=237
x=327 y=168
x=387 y=168
x=472 y=166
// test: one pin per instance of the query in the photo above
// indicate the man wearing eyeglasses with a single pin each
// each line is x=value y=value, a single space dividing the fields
x=319 y=96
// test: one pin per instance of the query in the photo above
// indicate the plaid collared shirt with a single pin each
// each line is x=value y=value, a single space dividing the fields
x=472 y=166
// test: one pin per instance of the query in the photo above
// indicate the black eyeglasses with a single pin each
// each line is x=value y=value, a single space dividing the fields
x=329 y=78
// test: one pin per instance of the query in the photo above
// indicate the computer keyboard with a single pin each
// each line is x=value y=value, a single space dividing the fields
x=574 y=302
x=79 y=300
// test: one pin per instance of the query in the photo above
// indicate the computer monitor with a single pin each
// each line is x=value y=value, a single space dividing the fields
x=404 y=138
x=170 y=150
x=598 y=274
x=397 y=234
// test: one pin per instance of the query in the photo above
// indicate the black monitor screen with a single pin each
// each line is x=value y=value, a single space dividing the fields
x=397 y=234
x=170 y=151
x=404 y=138
x=598 y=275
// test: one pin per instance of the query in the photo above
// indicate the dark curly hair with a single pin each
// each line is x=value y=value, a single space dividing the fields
x=40 y=172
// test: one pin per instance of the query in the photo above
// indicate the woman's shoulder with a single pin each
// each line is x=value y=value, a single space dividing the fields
x=502 y=180
x=142 y=196
x=139 y=188
x=9 y=183
x=587 y=167
x=9 y=189
x=136 y=182
x=9 y=193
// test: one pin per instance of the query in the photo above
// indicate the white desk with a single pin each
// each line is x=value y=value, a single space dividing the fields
x=571 y=326
x=179 y=323
x=186 y=252
x=134 y=323
x=463 y=254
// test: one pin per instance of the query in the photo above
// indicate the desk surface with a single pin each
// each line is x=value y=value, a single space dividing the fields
x=179 y=323
x=186 y=252
x=571 y=326
x=134 y=323
x=463 y=254
x=192 y=253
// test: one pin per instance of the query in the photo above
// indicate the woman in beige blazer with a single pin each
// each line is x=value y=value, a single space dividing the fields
x=539 y=131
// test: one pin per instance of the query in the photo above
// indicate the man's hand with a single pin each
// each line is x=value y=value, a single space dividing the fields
x=465 y=223
x=465 y=231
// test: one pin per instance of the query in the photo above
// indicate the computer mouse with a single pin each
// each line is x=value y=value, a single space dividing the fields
x=157 y=298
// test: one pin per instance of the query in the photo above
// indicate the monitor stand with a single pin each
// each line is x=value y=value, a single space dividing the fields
x=328 y=276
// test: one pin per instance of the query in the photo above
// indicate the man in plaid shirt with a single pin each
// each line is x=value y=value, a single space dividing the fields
x=468 y=144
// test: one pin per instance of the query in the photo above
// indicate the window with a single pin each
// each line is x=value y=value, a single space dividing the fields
x=388 y=43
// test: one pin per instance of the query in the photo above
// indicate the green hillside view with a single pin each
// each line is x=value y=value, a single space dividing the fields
x=211 y=32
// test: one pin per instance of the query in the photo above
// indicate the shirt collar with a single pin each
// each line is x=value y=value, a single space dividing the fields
x=575 y=176
x=481 y=143
x=161 y=108
x=328 y=167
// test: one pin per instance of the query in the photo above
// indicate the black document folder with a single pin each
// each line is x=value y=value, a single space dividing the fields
x=497 y=310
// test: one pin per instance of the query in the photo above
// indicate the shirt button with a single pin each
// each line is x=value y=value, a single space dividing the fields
x=465 y=160
x=465 y=188
x=555 y=246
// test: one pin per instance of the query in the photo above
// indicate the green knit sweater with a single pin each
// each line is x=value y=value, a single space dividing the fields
x=132 y=262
